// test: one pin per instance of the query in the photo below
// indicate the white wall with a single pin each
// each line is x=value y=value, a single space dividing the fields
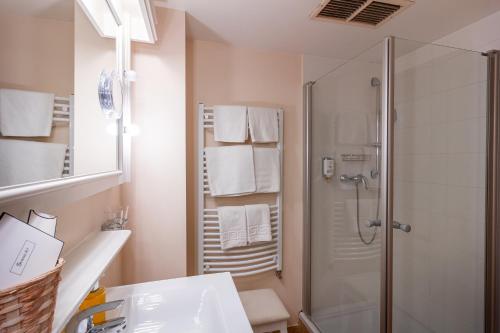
x=440 y=191
x=481 y=36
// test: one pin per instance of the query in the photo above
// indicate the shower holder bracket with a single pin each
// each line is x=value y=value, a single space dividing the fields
x=355 y=157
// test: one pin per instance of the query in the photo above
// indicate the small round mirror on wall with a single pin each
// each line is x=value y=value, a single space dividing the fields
x=110 y=92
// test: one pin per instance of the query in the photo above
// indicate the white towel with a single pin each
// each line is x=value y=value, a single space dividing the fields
x=25 y=113
x=230 y=123
x=352 y=128
x=267 y=169
x=233 y=226
x=230 y=170
x=263 y=124
x=29 y=161
x=258 y=223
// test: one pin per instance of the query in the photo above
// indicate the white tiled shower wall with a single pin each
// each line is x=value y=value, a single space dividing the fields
x=439 y=190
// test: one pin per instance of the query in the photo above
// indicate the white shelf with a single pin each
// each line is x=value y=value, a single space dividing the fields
x=84 y=266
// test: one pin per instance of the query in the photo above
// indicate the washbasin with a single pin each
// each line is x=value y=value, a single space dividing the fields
x=197 y=304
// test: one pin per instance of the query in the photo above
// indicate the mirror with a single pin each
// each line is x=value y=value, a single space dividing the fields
x=51 y=122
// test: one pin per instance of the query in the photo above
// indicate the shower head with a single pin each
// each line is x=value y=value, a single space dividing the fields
x=375 y=82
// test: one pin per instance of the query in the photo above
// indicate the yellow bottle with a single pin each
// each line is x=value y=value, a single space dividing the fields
x=95 y=297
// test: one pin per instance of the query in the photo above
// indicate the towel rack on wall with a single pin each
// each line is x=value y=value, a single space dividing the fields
x=241 y=261
x=64 y=115
x=62 y=110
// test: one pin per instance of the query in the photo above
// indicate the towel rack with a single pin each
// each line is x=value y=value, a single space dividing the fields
x=241 y=261
x=62 y=110
x=64 y=115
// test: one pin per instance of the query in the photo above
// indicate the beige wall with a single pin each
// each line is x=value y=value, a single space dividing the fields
x=81 y=218
x=37 y=54
x=221 y=74
x=51 y=41
x=78 y=216
x=157 y=192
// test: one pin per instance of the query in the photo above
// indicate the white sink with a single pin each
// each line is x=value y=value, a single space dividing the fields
x=197 y=304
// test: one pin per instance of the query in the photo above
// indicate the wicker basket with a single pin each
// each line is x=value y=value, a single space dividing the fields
x=29 y=307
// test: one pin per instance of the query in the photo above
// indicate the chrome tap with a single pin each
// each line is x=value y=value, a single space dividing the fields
x=116 y=324
x=355 y=179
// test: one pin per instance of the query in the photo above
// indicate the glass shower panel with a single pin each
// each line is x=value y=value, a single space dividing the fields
x=439 y=189
x=345 y=252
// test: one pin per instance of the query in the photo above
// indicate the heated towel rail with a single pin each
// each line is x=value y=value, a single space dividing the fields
x=241 y=261
x=63 y=116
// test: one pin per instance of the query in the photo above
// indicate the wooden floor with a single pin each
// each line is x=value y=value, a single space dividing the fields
x=300 y=328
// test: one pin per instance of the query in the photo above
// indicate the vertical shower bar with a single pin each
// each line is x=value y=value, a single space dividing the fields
x=387 y=185
x=306 y=290
x=491 y=311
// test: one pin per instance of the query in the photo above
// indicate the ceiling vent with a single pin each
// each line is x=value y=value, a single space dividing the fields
x=370 y=13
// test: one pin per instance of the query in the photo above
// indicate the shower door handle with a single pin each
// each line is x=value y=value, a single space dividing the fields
x=401 y=226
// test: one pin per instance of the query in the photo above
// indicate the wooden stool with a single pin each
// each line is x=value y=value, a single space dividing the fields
x=264 y=310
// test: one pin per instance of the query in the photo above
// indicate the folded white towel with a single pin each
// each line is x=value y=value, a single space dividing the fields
x=29 y=161
x=263 y=124
x=230 y=170
x=258 y=223
x=233 y=226
x=267 y=169
x=25 y=113
x=352 y=128
x=230 y=123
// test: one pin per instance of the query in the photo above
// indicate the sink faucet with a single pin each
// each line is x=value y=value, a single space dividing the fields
x=117 y=324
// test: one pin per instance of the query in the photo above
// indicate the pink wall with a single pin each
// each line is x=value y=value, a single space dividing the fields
x=221 y=74
x=37 y=54
x=157 y=192
x=51 y=70
x=79 y=212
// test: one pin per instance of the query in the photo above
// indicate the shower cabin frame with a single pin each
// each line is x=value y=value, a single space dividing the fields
x=492 y=216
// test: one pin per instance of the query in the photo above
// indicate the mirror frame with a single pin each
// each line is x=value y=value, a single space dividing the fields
x=122 y=174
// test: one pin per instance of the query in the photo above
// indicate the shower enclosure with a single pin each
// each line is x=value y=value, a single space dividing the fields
x=402 y=171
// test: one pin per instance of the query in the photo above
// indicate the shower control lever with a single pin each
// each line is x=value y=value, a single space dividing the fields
x=373 y=223
x=401 y=226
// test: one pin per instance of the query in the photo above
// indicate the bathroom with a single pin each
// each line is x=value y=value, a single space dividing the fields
x=112 y=156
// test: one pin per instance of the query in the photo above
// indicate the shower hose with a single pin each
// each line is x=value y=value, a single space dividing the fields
x=367 y=242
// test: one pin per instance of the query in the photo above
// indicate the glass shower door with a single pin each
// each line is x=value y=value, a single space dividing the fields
x=427 y=272
x=345 y=196
x=439 y=189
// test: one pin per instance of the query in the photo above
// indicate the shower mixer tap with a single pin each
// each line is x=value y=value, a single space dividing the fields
x=355 y=180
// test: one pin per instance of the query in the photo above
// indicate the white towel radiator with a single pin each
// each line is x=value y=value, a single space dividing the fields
x=241 y=261
x=63 y=116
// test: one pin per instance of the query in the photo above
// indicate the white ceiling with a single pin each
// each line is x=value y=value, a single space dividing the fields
x=284 y=25
x=48 y=9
